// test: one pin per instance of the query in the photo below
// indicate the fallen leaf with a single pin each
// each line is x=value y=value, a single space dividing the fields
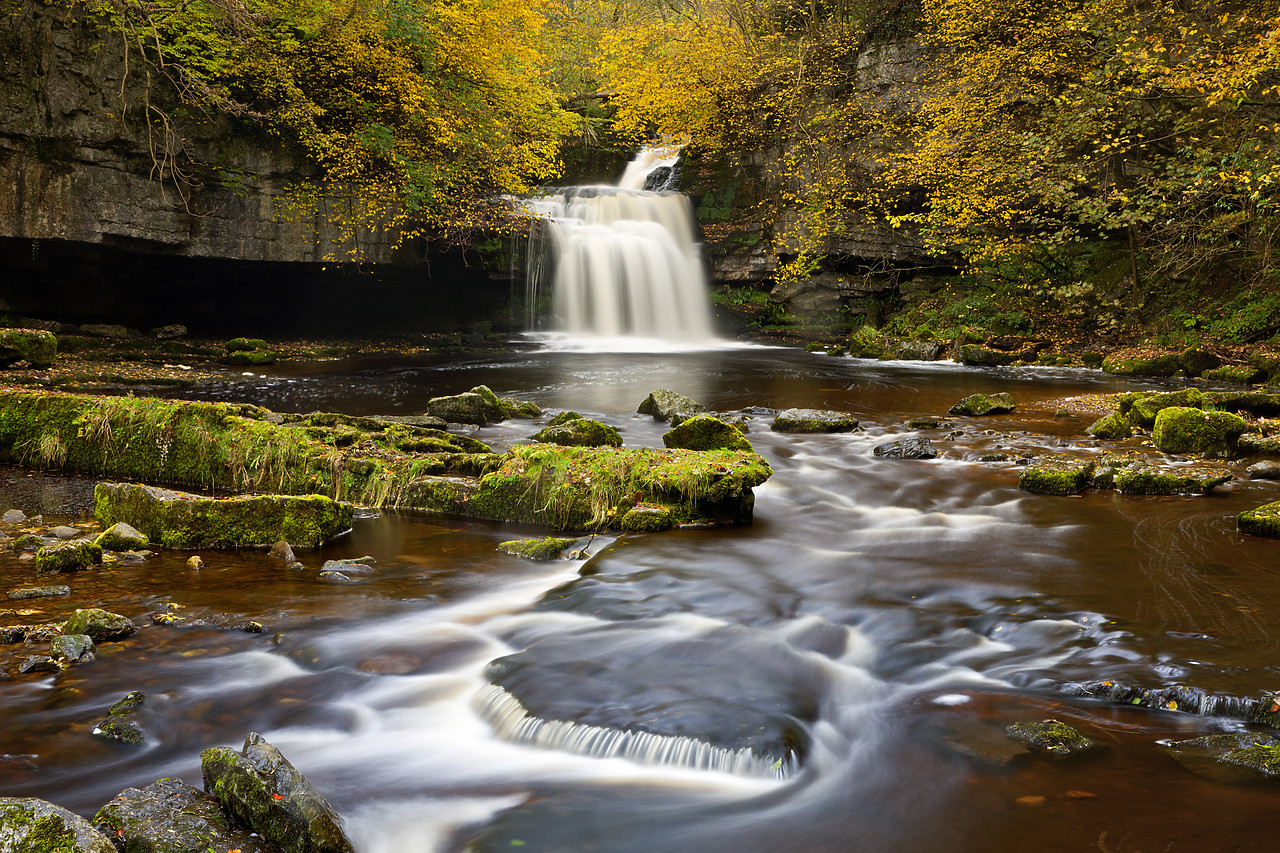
x=1034 y=800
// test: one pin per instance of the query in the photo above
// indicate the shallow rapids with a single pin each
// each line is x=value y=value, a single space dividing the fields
x=836 y=677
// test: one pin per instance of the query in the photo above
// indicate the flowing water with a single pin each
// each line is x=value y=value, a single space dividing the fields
x=883 y=620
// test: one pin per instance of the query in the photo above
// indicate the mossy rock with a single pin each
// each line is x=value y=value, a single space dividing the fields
x=1113 y=427
x=1143 y=409
x=580 y=432
x=664 y=403
x=867 y=342
x=1129 y=363
x=254 y=358
x=1237 y=373
x=646 y=518
x=67 y=557
x=813 y=421
x=1261 y=521
x=1152 y=480
x=1254 y=402
x=564 y=418
x=72 y=648
x=977 y=405
x=122 y=537
x=120 y=724
x=1259 y=445
x=181 y=520
x=706 y=432
x=976 y=354
x=504 y=408
x=1053 y=739
x=1185 y=430
x=33 y=346
x=1057 y=475
x=1232 y=757
x=465 y=408
x=1092 y=359
x=1195 y=361
x=99 y=625
x=245 y=345
x=29 y=825
x=546 y=548
x=170 y=816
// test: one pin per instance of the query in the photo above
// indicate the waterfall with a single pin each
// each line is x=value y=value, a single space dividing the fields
x=620 y=261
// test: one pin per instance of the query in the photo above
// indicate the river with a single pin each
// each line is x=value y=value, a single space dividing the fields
x=886 y=619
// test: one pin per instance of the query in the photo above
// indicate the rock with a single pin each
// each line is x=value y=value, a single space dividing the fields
x=1185 y=430
x=1056 y=475
x=580 y=432
x=64 y=532
x=120 y=725
x=813 y=421
x=72 y=648
x=39 y=591
x=1260 y=521
x=917 y=447
x=67 y=557
x=245 y=345
x=167 y=333
x=503 y=408
x=35 y=347
x=361 y=566
x=976 y=354
x=336 y=578
x=546 y=548
x=563 y=418
x=1259 y=445
x=1239 y=374
x=282 y=550
x=31 y=542
x=706 y=432
x=99 y=625
x=1052 y=738
x=39 y=663
x=262 y=792
x=195 y=562
x=170 y=816
x=464 y=408
x=1137 y=476
x=1113 y=427
x=1195 y=362
x=983 y=404
x=1131 y=363
x=926 y=423
x=1232 y=757
x=915 y=351
x=105 y=330
x=866 y=342
x=646 y=518
x=28 y=825
x=255 y=358
x=1141 y=409
x=13 y=516
x=181 y=520
x=122 y=536
x=1268 y=469
x=664 y=403
x=1253 y=402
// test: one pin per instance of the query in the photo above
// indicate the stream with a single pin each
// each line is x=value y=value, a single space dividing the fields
x=886 y=619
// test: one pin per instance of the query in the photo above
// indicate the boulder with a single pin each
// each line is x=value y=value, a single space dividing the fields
x=1195 y=362
x=646 y=518
x=1260 y=521
x=1232 y=757
x=503 y=408
x=1056 y=475
x=28 y=825
x=866 y=342
x=916 y=447
x=976 y=405
x=1181 y=429
x=545 y=548
x=1113 y=427
x=182 y=520
x=915 y=351
x=706 y=432
x=35 y=347
x=976 y=354
x=170 y=816
x=580 y=432
x=1137 y=363
x=122 y=537
x=99 y=625
x=1137 y=476
x=1052 y=739
x=813 y=420
x=169 y=332
x=1142 y=409
x=464 y=408
x=1267 y=469
x=120 y=724
x=262 y=792
x=664 y=403
x=13 y=516
x=1236 y=373
x=67 y=557
x=72 y=648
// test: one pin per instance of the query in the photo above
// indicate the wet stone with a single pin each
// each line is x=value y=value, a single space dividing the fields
x=664 y=403
x=977 y=405
x=39 y=591
x=72 y=648
x=99 y=625
x=39 y=663
x=13 y=516
x=63 y=532
x=28 y=825
x=1052 y=738
x=814 y=421
x=1267 y=469
x=1231 y=757
x=170 y=816
x=917 y=447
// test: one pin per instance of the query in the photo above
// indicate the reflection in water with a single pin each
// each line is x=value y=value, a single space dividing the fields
x=884 y=620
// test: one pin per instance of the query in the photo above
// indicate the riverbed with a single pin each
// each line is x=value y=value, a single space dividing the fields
x=890 y=618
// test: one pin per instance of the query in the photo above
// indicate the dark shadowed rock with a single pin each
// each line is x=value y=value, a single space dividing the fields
x=916 y=447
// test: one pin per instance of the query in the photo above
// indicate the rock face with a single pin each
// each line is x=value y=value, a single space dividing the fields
x=182 y=520
x=28 y=825
x=263 y=793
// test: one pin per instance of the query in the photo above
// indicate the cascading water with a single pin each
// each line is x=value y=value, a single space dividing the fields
x=620 y=261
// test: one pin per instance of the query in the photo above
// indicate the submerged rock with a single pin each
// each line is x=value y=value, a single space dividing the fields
x=39 y=591
x=814 y=421
x=1232 y=757
x=916 y=447
x=120 y=724
x=1052 y=738
x=181 y=520
x=28 y=825
x=1260 y=521
x=1186 y=430
x=1135 y=475
x=170 y=816
x=262 y=792
x=546 y=548
x=664 y=403
x=706 y=432
x=976 y=405
x=646 y=518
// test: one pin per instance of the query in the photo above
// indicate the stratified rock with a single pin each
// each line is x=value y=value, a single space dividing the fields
x=170 y=816
x=1186 y=430
x=580 y=432
x=38 y=348
x=67 y=557
x=122 y=537
x=976 y=405
x=1056 y=475
x=546 y=548
x=664 y=403
x=814 y=421
x=706 y=432
x=28 y=825
x=72 y=648
x=1052 y=738
x=262 y=792
x=916 y=447
x=100 y=625
x=181 y=520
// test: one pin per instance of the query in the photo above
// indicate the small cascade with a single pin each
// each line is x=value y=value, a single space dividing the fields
x=620 y=261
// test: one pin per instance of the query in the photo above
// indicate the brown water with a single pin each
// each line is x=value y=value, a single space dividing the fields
x=903 y=613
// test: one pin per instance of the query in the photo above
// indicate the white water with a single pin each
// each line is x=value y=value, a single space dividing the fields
x=620 y=262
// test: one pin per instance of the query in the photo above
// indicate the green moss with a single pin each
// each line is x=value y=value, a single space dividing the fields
x=99 y=625
x=67 y=557
x=1126 y=363
x=1144 y=408
x=1060 y=475
x=245 y=344
x=866 y=342
x=646 y=518
x=1157 y=481
x=1113 y=427
x=706 y=432
x=35 y=347
x=977 y=354
x=1052 y=738
x=254 y=358
x=546 y=548
x=34 y=833
x=813 y=421
x=984 y=404
x=1235 y=373
x=564 y=418
x=1186 y=430
x=580 y=432
x=1261 y=521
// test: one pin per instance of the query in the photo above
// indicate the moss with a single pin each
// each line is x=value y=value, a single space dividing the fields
x=564 y=418
x=38 y=348
x=1143 y=410
x=706 y=432
x=977 y=354
x=1253 y=402
x=1156 y=481
x=1113 y=427
x=99 y=625
x=866 y=342
x=1052 y=738
x=1261 y=521
x=245 y=345
x=67 y=557
x=1060 y=475
x=1264 y=758
x=646 y=518
x=580 y=432
x=663 y=403
x=546 y=548
x=1186 y=430
x=1236 y=373
x=36 y=833
x=254 y=358
x=1130 y=363
x=976 y=405
x=813 y=421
